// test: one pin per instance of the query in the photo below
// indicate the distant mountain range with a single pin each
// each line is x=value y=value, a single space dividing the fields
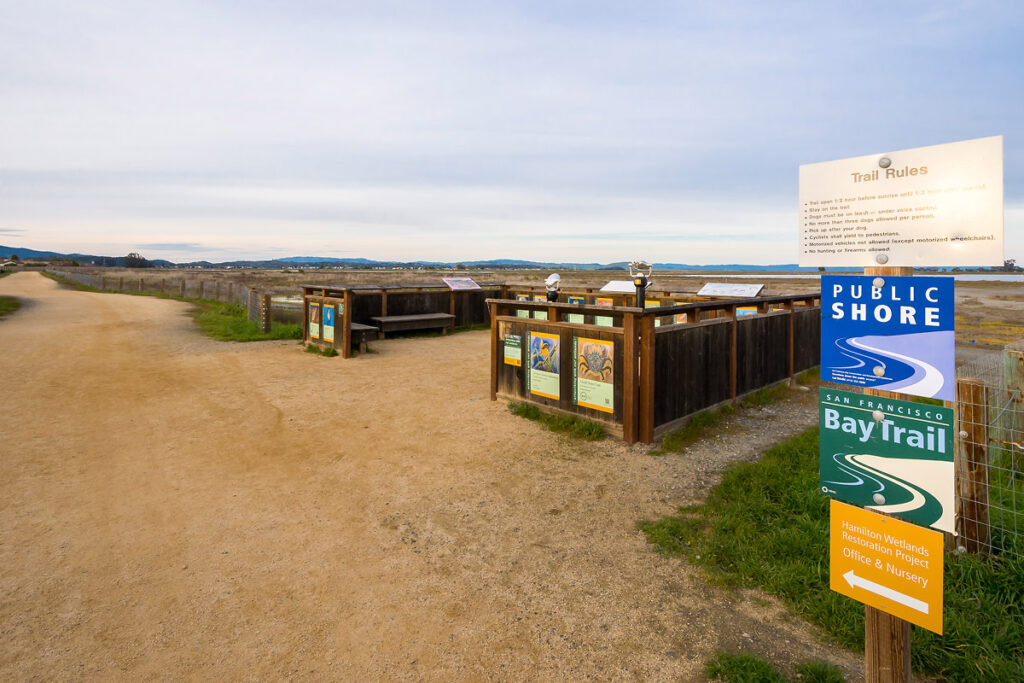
x=330 y=262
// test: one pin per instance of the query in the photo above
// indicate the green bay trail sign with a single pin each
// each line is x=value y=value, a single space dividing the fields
x=888 y=455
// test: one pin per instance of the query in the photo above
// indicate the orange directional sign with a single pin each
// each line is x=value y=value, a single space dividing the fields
x=888 y=564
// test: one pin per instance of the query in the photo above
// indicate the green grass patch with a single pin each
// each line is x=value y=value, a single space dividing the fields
x=8 y=305
x=575 y=427
x=743 y=668
x=230 y=322
x=766 y=526
x=216 y=319
x=327 y=351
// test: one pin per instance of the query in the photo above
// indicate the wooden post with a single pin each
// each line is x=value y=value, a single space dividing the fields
x=646 y=385
x=142 y=284
x=733 y=353
x=120 y=284
x=552 y=314
x=305 y=316
x=972 y=522
x=181 y=289
x=265 y=314
x=630 y=395
x=163 y=285
x=217 y=291
x=791 y=343
x=886 y=638
x=451 y=304
x=231 y=291
x=495 y=356
x=384 y=302
x=346 y=326
x=887 y=655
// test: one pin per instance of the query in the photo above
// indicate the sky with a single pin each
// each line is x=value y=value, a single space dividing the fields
x=583 y=132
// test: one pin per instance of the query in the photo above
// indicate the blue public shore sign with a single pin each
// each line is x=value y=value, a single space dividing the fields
x=897 y=337
x=888 y=455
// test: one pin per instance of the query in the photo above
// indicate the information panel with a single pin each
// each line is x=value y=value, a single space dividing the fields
x=329 y=323
x=314 y=320
x=575 y=317
x=594 y=374
x=513 y=350
x=889 y=455
x=898 y=336
x=930 y=206
x=542 y=376
x=888 y=564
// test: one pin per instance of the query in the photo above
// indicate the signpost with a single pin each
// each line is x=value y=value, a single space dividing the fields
x=889 y=333
x=889 y=455
x=460 y=283
x=887 y=564
x=930 y=206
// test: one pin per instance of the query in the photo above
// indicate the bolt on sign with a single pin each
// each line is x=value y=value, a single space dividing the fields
x=888 y=455
x=891 y=333
x=930 y=206
x=888 y=564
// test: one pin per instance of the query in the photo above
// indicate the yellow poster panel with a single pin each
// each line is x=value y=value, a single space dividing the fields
x=328 y=323
x=521 y=313
x=886 y=563
x=314 y=320
x=540 y=315
x=594 y=374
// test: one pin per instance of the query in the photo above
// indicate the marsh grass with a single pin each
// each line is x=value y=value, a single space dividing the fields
x=8 y=305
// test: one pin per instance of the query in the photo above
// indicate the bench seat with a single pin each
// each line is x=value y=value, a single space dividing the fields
x=420 y=321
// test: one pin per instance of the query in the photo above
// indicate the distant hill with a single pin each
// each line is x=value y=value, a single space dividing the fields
x=83 y=259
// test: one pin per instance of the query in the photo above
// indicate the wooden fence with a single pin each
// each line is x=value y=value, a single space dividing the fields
x=646 y=371
x=359 y=304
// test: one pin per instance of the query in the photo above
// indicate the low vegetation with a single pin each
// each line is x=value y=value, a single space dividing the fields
x=766 y=526
x=8 y=305
x=327 y=351
x=216 y=319
x=730 y=668
x=576 y=427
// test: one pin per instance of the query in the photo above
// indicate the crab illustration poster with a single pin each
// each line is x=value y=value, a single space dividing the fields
x=887 y=455
x=542 y=376
x=604 y=320
x=314 y=320
x=593 y=372
x=575 y=317
x=328 y=322
x=891 y=333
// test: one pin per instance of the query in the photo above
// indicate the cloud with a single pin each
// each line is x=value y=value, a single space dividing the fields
x=175 y=246
x=11 y=231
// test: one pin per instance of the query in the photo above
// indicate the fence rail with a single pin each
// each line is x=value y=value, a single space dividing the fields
x=646 y=371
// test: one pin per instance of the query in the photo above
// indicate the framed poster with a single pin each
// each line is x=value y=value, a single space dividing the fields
x=540 y=315
x=522 y=313
x=593 y=372
x=513 y=350
x=575 y=317
x=314 y=320
x=542 y=376
x=329 y=323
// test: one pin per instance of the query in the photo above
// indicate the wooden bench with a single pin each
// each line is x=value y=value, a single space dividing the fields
x=420 y=321
x=362 y=334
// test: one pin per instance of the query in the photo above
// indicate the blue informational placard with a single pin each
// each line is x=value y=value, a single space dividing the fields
x=897 y=337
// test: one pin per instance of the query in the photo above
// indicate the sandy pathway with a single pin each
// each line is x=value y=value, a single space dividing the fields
x=173 y=507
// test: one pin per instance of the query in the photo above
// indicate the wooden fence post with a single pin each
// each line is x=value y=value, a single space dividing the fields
x=265 y=313
x=181 y=288
x=495 y=356
x=142 y=284
x=120 y=284
x=733 y=353
x=646 y=384
x=346 y=326
x=630 y=395
x=972 y=522
x=791 y=342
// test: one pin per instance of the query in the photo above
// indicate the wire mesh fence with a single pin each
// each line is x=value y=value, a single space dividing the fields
x=990 y=453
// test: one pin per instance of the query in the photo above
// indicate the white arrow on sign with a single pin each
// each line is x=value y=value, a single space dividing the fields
x=886 y=592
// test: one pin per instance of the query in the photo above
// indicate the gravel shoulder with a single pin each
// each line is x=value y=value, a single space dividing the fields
x=173 y=507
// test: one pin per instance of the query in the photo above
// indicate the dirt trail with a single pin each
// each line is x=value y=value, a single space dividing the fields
x=173 y=507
